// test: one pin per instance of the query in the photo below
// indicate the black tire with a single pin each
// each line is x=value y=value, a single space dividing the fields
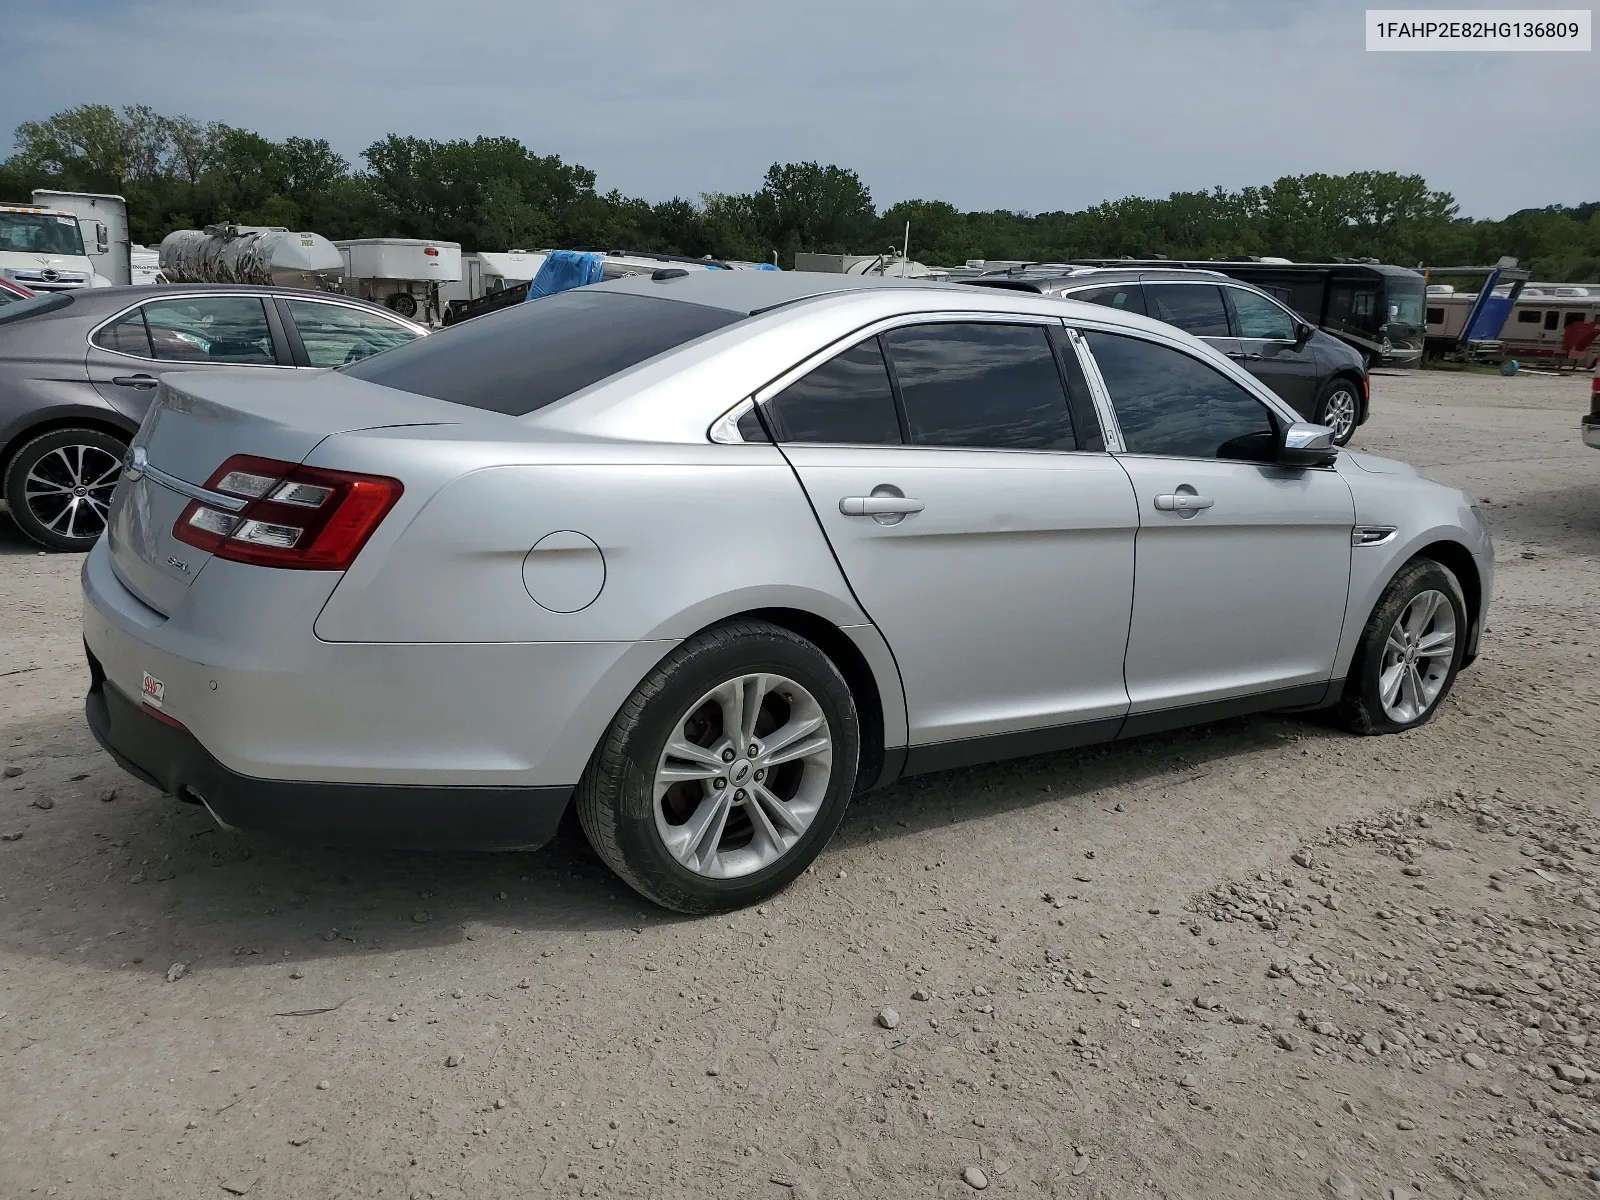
x=403 y=303
x=615 y=800
x=50 y=518
x=1351 y=394
x=1361 y=710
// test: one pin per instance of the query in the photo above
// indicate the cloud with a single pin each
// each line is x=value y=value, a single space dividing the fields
x=1018 y=104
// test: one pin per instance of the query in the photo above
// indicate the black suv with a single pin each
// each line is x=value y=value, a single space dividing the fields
x=1321 y=377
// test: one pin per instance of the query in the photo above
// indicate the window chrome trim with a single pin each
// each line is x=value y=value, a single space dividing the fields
x=1110 y=427
x=725 y=429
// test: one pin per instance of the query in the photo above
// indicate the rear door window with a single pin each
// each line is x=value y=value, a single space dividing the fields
x=336 y=334
x=982 y=386
x=126 y=335
x=848 y=400
x=220 y=330
x=520 y=359
x=1193 y=307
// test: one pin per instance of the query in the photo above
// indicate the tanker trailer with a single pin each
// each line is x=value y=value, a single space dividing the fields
x=252 y=254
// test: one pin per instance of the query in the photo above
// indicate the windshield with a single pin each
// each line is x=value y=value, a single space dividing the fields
x=40 y=233
x=1405 y=302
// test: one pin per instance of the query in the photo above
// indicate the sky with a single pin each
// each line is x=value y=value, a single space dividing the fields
x=1029 y=105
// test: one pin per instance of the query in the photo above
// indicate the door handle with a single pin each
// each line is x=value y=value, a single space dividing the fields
x=142 y=382
x=1186 y=503
x=879 y=506
x=1236 y=354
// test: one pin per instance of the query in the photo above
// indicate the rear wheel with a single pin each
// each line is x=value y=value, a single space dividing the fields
x=1339 y=408
x=58 y=486
x=1410 y=652
x=727 y=770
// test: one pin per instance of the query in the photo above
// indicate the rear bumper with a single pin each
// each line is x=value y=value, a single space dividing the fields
x=240 y=666
x=1591 y=432
x=426 y=817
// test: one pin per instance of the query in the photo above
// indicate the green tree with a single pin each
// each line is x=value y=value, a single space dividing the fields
x=804 y=206
x=494 y=193
x=84 y=148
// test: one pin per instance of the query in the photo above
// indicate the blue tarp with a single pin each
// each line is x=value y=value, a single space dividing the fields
x=1489 y=320
x=563 y=269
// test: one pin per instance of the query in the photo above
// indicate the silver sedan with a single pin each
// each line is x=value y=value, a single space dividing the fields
x=706 y=554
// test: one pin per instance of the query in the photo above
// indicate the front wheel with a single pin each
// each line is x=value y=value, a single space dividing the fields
x=58 y=486
x=727 y=770
x=1339 y=408
x=1410 y=652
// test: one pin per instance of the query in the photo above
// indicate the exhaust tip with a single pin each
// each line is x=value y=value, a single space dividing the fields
x=190 y=796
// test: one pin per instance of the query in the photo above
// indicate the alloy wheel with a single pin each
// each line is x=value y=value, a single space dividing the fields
x=68 y=490
x=1417 y=657
x=1339 y=413
x=742 y=776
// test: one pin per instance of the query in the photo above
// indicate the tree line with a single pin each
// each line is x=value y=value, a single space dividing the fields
x=493 y=193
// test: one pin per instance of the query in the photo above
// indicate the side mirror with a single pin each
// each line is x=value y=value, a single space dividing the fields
x=1306 y=445
x=102 y=238
x=1302 y=335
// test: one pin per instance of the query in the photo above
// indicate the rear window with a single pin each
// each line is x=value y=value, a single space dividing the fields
x=47 y=302
x=523 y=358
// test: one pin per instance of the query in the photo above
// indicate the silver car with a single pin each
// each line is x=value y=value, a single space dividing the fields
x=705 y=554
x=78 y=369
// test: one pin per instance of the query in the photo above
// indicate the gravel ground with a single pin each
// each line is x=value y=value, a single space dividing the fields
x=1256 y=959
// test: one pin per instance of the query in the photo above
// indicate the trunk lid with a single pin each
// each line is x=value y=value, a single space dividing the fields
x=201 y=418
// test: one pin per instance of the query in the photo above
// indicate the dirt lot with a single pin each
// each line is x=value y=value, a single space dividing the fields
x=1258 y=959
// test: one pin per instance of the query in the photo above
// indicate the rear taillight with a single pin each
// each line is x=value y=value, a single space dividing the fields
x=304 y=518
x=1594 y=395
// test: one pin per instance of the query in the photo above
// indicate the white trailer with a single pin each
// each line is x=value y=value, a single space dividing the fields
x=507 y=269
x=406 y=274
x=146 y=264
x=103 y=219
x=489 y=272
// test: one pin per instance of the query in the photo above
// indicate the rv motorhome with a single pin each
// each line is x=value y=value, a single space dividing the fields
x=1536 y=327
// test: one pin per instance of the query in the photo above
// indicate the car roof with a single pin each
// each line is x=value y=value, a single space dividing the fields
x=750 y=292
x=101 y=299
x=1054 y=282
